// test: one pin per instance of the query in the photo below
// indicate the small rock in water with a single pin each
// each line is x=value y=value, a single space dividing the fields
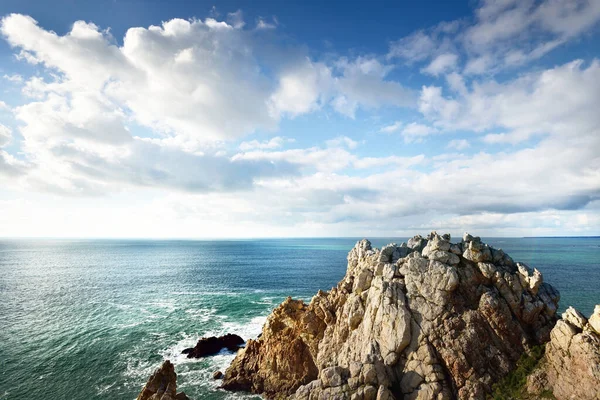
x=212 y=345
x=217 y=375
x=162 y=385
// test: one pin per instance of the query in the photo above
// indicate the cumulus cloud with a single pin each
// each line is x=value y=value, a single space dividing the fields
x=441 y=64
x=502 y=34
x=5 y=135
x=363 y=83
x=164 y=113
x=458 y=144
x=515 y=105
x=415 y=47
x=272 y=143
x=391 y=128
x=300 y=89
x=190 y=85
x=415 y=132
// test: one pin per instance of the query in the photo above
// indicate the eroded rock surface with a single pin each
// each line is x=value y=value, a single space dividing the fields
x=429 y=319
x=162 y=385
x=570 y=368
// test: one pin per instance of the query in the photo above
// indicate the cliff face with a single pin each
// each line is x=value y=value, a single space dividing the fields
x=423 y=320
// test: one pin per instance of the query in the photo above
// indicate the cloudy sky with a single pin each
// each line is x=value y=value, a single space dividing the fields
x=233 y=119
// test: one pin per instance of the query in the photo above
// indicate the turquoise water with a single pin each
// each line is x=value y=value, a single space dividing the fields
x=91 y=319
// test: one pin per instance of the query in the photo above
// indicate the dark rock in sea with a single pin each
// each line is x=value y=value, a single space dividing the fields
x=212 y=345
x=426 y=320
x=217 y=375
x=162 y=385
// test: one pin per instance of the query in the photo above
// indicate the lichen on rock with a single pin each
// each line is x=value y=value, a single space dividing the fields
x=427 y=319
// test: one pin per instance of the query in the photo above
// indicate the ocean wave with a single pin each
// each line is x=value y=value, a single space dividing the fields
x=202 y=314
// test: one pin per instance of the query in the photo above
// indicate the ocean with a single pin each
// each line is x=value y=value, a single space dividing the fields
x=91 y=319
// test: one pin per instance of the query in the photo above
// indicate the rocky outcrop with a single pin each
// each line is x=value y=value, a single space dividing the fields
x=427 y=319
x=212 y=345
x=162 y=385
x=570 y=368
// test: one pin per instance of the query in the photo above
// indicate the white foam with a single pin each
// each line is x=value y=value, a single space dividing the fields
x=202 y=314
x=247 y=330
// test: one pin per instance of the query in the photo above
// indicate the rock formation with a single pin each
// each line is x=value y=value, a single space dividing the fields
x=162 y=385
x=212 y=345
x=570 y=368
x=427 y=319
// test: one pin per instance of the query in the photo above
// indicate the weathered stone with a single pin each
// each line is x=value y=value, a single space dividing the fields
x=441 y=321
x=162 y=385
x=417 y=243
x=594 y=320
x=570 y=368
x=575 y=318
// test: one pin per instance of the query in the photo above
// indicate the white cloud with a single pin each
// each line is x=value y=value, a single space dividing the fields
x=190 y=78
x=300 y=89
x=416 y=47
x=5 y=135
x=415 y=132
x=161 y=113
x=15 y=78
x=458 y=144
x=441 y=64
x=262 y=24
x=342 y=141
x=236 y=19
x=362 y=84
x=270 y=144
x=391 y=128
x=566 y=93
x=193 y=85
x=509 y=32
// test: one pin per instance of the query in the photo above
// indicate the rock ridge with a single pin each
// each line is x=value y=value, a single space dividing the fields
x=426 y=319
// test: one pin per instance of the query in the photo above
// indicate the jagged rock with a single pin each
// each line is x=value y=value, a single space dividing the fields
x=281 y=359
x=212 y=345
x=217 y=375
x=570 y=368
x=594 y=320
x=417 y=243
x=575 y=318
x=162 y=385
x=433 y=321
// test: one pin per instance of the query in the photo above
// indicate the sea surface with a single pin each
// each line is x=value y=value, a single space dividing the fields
x=91 y=319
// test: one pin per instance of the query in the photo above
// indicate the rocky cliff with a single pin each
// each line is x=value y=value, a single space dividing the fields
x=570 y=368
x=424 y=320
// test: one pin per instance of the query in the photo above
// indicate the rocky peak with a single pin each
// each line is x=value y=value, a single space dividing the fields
x=426 y=319
x=162 y=385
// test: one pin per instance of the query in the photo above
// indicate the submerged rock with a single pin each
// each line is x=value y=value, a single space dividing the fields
x=162 y=385
x=212 y=345
x=426 y=320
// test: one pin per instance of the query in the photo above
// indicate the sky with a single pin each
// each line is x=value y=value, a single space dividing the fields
x=237 y=119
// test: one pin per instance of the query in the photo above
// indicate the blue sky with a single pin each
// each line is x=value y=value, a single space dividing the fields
x=238 y=119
